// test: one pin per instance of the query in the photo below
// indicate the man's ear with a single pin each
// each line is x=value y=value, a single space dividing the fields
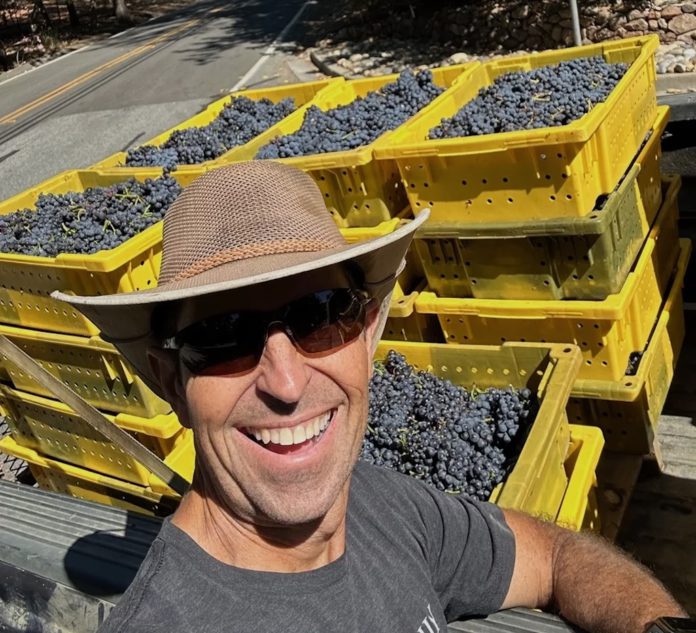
x=165 y=366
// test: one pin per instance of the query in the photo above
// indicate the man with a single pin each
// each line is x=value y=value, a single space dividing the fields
x=261 y=335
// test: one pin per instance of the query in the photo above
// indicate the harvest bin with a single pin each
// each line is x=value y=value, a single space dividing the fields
x=91 y=367
x=628 y=410
x=302 y=93
x=579 y=509
x=359 y=190
x=528 y=174
x=563 y=258
x=538 y=482
x=607 y=331
x=26 y=281
x=53 y=429
x=78 y=482
x=403 y=322
x=150 y=495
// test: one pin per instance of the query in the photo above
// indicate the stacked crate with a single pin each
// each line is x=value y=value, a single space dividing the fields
x=64 y=453
x=559 y=235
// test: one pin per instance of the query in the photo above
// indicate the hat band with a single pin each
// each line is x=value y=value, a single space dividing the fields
x=273 y=247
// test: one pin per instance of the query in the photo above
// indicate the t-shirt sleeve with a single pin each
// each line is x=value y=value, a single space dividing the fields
x=471 y=553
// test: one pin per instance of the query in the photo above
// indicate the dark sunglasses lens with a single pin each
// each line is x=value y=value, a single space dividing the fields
x=223 y=359
x=223 y=345
x=326 y=320
x=234 y=342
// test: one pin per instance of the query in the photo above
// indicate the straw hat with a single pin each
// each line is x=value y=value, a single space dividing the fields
x=235 y=227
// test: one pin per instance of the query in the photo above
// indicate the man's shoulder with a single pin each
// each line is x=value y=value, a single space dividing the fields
x=151 y=612
x=149 y=603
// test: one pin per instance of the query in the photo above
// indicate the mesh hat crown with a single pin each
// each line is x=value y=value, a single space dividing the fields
x=242 y=211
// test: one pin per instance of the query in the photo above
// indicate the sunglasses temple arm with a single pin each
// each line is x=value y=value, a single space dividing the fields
x=381 y=323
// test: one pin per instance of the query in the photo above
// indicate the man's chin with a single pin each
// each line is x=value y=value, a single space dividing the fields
x=296 y=510
x=293 y=514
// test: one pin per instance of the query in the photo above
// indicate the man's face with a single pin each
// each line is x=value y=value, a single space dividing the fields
x=287 y=397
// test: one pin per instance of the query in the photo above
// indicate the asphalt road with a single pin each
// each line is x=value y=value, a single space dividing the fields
x=123 y=90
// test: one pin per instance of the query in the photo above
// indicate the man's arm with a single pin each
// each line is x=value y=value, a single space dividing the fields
x=590 y=582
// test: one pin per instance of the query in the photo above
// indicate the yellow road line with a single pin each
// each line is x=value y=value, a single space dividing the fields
x=12 y=116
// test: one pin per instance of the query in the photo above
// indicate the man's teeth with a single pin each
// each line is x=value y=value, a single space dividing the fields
x=295 y=435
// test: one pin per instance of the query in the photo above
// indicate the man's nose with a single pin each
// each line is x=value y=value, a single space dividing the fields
x=283 y=372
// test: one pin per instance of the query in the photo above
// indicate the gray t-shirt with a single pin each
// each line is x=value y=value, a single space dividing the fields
x=415 y=559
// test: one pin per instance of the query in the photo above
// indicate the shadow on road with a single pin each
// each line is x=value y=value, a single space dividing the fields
x=253 y=24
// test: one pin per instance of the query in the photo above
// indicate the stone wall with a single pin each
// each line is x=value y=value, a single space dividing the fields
x=459 y=32
x=500 y=26
x=533 y=25
x=671 y=20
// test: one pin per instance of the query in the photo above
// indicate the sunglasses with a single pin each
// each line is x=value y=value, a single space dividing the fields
x=234 y=342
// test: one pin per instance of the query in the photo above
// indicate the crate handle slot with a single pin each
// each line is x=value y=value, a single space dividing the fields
x=108 y=371
x=126 y=373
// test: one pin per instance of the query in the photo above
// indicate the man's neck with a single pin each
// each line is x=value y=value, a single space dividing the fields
x=247 y=545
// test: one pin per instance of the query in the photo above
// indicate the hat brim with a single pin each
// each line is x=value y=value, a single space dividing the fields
x=125 y=319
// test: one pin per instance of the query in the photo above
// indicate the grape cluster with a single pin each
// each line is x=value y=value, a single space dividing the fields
x=358 y=123
x=240 y=121
x=545 y=97
x=456 y=440
x=97 y=219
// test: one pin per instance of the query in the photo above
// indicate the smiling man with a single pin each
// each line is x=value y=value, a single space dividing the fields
x=261 y=335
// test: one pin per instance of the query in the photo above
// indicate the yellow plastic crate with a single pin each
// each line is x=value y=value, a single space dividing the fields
x=302 y=93
x=607 y=331
x=538 y=482
x=578 y=510
x=403 y=322
x=628 y=410
x=78 y=482
x=358 y=190
x=26 y=281
x=91 y=367
x=55 y=430
x=563 y=258
x=650 y=179
x=528 y=174
x=182 y=460
x=412 y=274
x=353 y=235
